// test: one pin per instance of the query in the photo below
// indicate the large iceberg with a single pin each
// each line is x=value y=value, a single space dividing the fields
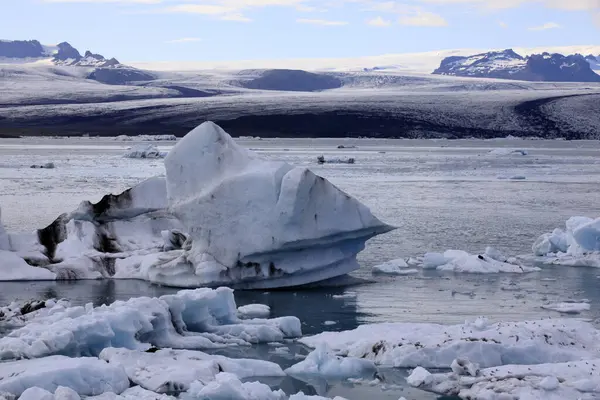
x=222 y=216
x=577 y=245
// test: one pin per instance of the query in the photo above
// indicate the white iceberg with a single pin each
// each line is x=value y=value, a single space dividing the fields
x=560 y=381
x=65 y=393
x=256 y=223
x=228 y=387
x=145 y=151
x=86 y=376
x=410 y=345
x=202 y=318
x=490 y=262
x=145 y=138
x=577 y=245
x=221 y=217
x=254 y=311
x=171 y=371
x=323 y=363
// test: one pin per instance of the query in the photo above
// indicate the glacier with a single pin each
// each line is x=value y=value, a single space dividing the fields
x=220 y=216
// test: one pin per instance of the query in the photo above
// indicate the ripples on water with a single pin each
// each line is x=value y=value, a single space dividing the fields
x=438 y=197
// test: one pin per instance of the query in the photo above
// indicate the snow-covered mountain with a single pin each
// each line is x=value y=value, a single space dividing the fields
x=594 y=61
x=508 y=64
x=63 y=54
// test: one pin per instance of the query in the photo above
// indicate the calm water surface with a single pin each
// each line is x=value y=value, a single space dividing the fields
x=440 y=194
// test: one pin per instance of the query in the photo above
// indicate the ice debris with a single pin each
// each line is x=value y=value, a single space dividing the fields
x=491 y=261
x=145 y=151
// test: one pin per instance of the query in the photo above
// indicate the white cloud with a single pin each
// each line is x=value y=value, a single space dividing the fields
x=323 y=22
x=184 y=40
x=379 y=21
x=596 y=18
x=502 y=24
x=423 y=18
x=235 y=17
x=546 y=26
x=500 y=4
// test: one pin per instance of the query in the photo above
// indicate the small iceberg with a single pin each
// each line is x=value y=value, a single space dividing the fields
x=568 y=307
x=393 y=267
x=323 y=160
x=145 y=151
x=577 y=245
x=507 y=152
x=48 y=165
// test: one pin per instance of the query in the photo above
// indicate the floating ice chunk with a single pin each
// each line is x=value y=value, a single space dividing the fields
x=254 y=311
x=145 y=151
x=588 y=235
x=202 y=318
x=298 y=228
x=419 y=377
x=559 y=381
x=133 y=393
x=36 y=393
x=322 y=362
x=228 y=387
x=323 y=160
x=567 y=307
x=551 y=243
x=394 y=267
x=349 y=295
x=408 y=345
x=87 y=376
x=495 y=254
x=506 y=152
x=329 y=323
x=48 y=165
x=461 y=261
x=145 y=138
x=167 y=371
x=462 y=366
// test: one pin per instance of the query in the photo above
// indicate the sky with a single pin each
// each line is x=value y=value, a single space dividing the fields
x=207 y=30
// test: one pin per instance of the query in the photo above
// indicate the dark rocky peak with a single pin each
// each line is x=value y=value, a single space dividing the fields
x=66 y=52
x=21 y=49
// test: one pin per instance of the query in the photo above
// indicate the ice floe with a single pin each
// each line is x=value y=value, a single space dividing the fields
x=171 y=371
x=491 y=261
x=202 y=318
x=560 y=381
x=145 y=138
x=254 y=311
x=145 y=151
x=568 y=307
x=86 y=376
x=577 y=245
x=507 y=152
x=323 y=363
x=410 y=345
x=394 y=267
x=222 y=216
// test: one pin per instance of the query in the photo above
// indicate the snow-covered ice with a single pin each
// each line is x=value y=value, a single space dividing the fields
x=202 y=318
x=419 y=377
x=410 y=345
x=567 y=307
x=492 y=261
x=145 y=138
x=145 y=151
x=167 y=371
x=227 y=386
x=254 y=311
x=323 y=363
x=560 y=381
x=87 y=376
